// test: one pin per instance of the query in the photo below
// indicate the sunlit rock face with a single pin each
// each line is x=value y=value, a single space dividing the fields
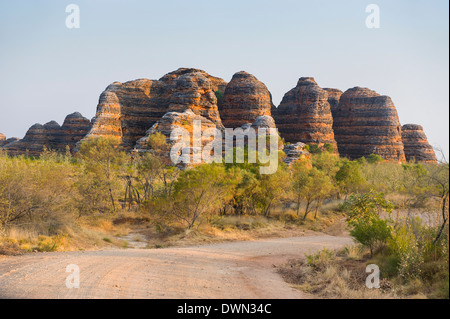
x=356 y=123
x=74 y=128
x=127 y=110
x=245 y=98
x=304 y=115
x=294 y=152
x=2 y=139
x=367 y=123
x=334 y=95
x=51 y=136
x=32 y=144
x=416 y=144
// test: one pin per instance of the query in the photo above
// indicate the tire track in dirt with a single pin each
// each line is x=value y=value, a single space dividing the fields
x=226 y=270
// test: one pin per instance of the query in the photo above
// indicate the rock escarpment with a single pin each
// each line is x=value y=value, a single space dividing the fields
x=126 y=111
x=356 y=123
x=305 y=115
x=416 y=144
x=51 y=136
x=367 y=123
x=32 y=144
x=9 y=140
x=245 y=98
x=195 y=91
x=74 y=128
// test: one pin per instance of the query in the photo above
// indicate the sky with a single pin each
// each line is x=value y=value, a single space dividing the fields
x=48 y=70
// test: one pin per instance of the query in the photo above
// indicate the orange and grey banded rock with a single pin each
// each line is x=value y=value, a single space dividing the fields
x=294 y=152
x=2 y=139
x=304 y=115
x=416 y=144
x=334 y=95
x=127 y=111
x=32 y=144
x=245 y=98
x=51 y=136
x=367 y=123
x=183 y=122
x=356 y=123
x=9 y=140
x=74 y=128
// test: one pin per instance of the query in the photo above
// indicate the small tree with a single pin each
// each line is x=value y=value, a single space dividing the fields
x=374 y=158
x=310 y=185
x=102 y=158
x=245 y=193
x=199 y=192
x=438 y=179
x=314 y=149
x=371 y=232
x=348 y=177
x=271 y=188
x=367 y=227
x=155 y=171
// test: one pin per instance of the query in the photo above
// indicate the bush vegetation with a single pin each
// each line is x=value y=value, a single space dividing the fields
x=50 y=199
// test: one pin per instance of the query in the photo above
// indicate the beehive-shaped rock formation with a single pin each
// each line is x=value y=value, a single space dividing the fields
x=367 y=123
x=416 y=144
x=245 y=98
x=304 y=115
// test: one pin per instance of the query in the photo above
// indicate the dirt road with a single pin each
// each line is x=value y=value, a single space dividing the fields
x=227 y=270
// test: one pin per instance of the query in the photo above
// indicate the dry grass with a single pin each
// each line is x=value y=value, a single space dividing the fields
x=82 y=234
x=103 y=231
x=340 y=276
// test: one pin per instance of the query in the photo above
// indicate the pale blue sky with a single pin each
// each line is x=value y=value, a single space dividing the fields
x=48 y=71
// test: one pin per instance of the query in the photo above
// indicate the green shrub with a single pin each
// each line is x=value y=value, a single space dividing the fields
x=410 y=264
x=219 y=95
x=314 y=149
x=321 y=259
x=366 y=225
x=48 y=244
x=442 y=290
x=328 y=147
x=372 y=232
x=374 y=158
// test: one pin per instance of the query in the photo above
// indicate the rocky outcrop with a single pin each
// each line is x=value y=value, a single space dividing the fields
x=294 y=152
x=51 y=132
x=416 y=144
x=51 y=136
x=126 y=111
x=367 y=123
x=356 y=123
x=334 y=95
x=305 y=115
x=171 y=121
x=74 y=128
x=217 y=84
x=186 y=121
x=32 y=144
x=245 y=98
x=194 y=91
x=264 y=121
x=9 y=140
